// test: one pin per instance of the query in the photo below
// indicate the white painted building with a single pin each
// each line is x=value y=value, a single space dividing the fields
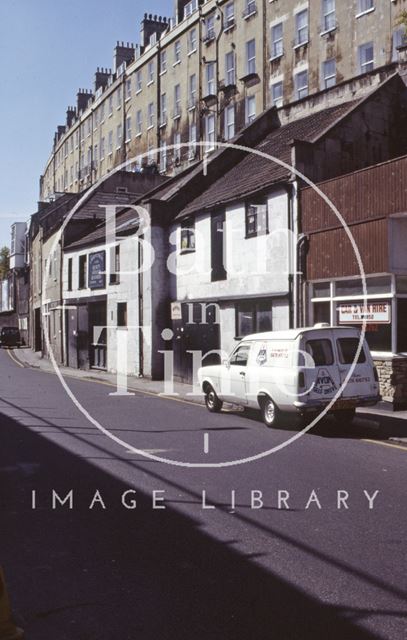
x=100 y=293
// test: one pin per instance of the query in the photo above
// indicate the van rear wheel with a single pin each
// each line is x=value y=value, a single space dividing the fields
x=212 y=402
x=346 y=416
x=269 y=412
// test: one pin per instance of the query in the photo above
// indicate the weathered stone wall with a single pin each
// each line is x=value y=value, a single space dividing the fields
x=393 y=380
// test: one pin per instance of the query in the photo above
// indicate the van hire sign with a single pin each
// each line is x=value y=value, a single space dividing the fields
x=372 y=312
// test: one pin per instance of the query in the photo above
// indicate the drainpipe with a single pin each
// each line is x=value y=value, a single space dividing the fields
x=140 y=307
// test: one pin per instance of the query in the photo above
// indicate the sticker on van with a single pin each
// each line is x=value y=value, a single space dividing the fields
x=324 y=383
x=262 y=355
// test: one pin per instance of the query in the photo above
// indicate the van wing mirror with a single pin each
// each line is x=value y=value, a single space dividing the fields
x=226 y=363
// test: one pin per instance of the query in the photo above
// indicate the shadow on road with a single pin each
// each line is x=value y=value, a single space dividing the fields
x=132 y=574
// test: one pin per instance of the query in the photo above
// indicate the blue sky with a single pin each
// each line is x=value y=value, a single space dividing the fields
x=48 y=50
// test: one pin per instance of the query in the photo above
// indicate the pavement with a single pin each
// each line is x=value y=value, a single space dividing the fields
x=392 y=423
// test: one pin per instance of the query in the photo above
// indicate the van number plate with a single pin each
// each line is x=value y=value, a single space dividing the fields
x=344 y=404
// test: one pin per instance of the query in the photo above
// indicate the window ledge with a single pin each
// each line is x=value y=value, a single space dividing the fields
x=185 y=251
x=128 y=98
x=162 y=73
x=127 y=140
x=364 y=13
x=229 y=27
x=190 y=53
x=138 y=135
x=247 y=16
x=326 y=32
x=275 y=58
x=176 y=63
x=138 y=92
x=150 y=83
x=301 y=44
x=150 y=127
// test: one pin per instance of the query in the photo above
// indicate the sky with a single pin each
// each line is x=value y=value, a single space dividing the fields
x=48 y=50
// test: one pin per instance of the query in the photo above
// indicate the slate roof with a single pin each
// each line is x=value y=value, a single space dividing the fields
x=254 y=172
x=92 y=208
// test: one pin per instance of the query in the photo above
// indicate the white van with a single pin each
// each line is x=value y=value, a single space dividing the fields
x=297 y=371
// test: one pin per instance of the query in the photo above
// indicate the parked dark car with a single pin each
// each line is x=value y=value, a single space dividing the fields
x=10 y=337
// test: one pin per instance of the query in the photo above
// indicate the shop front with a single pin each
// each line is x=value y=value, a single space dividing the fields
x=341 y=302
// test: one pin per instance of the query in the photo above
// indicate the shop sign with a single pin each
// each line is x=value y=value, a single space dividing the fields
x=97 y=268
x=371 y=312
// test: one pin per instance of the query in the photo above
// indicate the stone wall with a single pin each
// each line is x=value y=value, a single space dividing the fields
x=393 y=380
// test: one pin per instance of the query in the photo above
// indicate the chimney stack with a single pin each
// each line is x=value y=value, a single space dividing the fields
x=123 y=52
x=102 y=77
x=82 y=99
x=150 y=25
x=70 y=116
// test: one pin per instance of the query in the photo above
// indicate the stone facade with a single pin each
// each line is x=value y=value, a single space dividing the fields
x=392 y=372
x=127 y=114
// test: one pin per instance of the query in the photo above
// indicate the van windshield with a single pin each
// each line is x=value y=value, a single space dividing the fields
x=320 y=351
x=347 y=348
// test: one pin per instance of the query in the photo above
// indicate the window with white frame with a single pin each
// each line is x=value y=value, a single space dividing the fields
x=177 y=147
x=277 y=40
x=102 y=149
x=119 y=98
x=163 y=157
x=150 y=117
x=151 y=71
x=230 y=71
x=128 y=128
x=177 y=101
x=110 y=105
x=251 y=57
x=230 y=127
x=210 y=132
x=192 y=141
x=210 y=79
x=163 y=108
x=192 y=40
x=177 y=51
x=229 y=13
x=192 y=90
x=139 y=81
x=399 y=40
x=190 y=7
x=139 y=121
x=328 y=15
x=250 y=8
x=89 y=162
x=365 y=5
x=95 y=152
x=329 y=73
x=301 y=27
x=210 y=27
x=277 y=94
x=250 y=109
x=128 y=89
x=119 y=136
x=366 y=57
x=163 y=61
x=301 y=84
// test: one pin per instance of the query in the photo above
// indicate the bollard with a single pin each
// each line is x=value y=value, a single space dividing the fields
x=8 y=630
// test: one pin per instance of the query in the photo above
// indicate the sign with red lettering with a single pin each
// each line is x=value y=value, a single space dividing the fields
x=372 y=312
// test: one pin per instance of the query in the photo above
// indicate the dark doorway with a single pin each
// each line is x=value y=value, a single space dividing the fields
x=98 y=335
x=37 y=330
x=77 y=340
x=198 y=330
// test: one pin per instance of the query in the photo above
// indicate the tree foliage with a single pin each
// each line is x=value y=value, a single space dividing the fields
x=402 y=19
x=4 y=261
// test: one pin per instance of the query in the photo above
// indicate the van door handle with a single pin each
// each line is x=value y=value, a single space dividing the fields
x=243 y=373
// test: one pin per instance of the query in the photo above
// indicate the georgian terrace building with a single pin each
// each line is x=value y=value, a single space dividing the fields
x=209 y=71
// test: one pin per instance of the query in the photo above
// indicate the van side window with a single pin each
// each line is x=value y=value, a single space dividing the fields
x=241 y=355
x=320 y=351
x=347 y=348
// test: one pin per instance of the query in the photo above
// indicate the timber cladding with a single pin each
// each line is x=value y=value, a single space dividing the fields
x=365 y=200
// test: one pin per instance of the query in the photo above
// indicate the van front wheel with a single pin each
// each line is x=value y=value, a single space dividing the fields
x=269 y=412
x=213 y=404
